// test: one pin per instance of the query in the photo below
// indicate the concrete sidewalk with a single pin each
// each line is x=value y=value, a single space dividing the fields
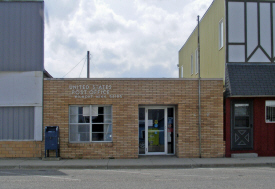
x=143 y=162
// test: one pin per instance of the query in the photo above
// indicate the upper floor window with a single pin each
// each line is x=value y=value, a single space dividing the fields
x=197 y=61
x=90 y=123
x=270 y=111
x=250 y=31
x=191 y=65
x=220 y=34
x=181 y=71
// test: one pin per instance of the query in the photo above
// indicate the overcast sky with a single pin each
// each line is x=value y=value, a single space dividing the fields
x=126 y=38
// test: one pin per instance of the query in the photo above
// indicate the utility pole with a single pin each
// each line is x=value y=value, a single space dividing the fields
x=88 y=64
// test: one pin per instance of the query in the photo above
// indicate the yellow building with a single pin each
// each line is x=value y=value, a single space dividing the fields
x=237 y=43
x=212 y=50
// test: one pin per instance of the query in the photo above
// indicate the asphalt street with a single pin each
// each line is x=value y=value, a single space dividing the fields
x=260 y=177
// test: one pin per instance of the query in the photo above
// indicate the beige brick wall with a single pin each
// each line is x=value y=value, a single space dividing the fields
x=20 y=149
x=183 y=94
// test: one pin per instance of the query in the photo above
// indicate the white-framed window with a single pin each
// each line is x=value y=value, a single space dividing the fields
x=221 y=34
x=270 y=111
x=90 y=123
x=192 y=65
x=197 y=61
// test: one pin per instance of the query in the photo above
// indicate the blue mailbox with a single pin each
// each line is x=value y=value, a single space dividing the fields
x=51 y=140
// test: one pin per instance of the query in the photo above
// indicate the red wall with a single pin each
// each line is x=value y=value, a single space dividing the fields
x=263 y=133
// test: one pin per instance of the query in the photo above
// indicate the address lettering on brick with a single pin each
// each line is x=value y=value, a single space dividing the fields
x=93 y=91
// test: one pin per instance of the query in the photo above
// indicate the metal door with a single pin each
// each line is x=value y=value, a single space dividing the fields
x=242 y=125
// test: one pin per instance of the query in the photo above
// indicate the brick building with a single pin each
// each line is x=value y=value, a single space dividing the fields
x=97 y=118
x=125 y=118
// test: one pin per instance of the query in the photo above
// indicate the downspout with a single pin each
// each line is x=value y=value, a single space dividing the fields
x=199 y=87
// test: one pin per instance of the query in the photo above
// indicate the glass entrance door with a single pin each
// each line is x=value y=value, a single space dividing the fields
x=155 y=128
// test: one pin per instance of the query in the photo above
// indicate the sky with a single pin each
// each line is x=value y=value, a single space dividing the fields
x=126 y=38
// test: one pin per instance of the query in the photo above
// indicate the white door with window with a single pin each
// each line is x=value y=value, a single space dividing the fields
x=156 y=136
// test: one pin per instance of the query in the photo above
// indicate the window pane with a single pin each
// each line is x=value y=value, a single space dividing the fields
x=94 y=110
x=242 y=121
x=241 y=115
x=107 y=110
x=73 y=110
x=98 y=119
x=241 y=109
x=259 y=56
x=100 y=110
x=108 y=132
x=141 y=114
x=191 y=64
x=97 y=128
x=141 y=121
x=83 y=119
x=80 y=114
x=252 y=27
x=236 y=53
x=108 y=137
x=221 y=34
x=98 y=136
x=86 y=111
x=83 y=128
x=236 y=22
x=107 y=118
x=270 y=111
x=79 y=133
x=170 y=112
x=265 y=27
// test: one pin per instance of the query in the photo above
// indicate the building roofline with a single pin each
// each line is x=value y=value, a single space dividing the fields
x=47 y=74
x=197 y=24
x=131 y=79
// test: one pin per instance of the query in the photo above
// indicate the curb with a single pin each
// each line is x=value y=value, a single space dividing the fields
x=189 y=166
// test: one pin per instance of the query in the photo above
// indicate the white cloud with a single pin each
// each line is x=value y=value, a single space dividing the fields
x=142 y=41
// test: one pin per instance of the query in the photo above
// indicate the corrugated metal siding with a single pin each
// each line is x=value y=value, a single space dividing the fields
x=16 y=123
x=21 y=36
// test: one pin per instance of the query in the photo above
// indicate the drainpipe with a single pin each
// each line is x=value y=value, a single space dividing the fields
x=199 y=87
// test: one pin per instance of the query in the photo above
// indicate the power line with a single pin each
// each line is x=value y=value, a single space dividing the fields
x=82 y=67
x=75 y=66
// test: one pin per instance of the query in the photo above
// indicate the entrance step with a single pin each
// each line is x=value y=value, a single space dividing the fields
x=244 y=155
